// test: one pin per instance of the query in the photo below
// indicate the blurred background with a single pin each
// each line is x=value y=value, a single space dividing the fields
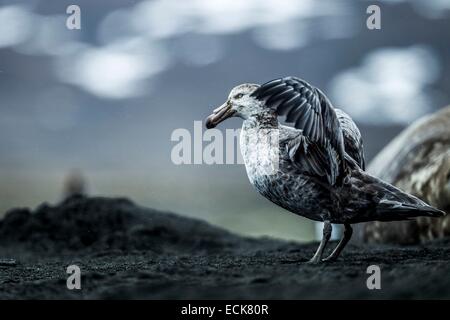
x=103 y=101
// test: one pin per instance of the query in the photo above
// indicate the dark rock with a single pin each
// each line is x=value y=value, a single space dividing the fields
x=93 y=224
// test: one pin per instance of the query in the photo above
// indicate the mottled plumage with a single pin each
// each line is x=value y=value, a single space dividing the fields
x=353 y=143
x=318 y=168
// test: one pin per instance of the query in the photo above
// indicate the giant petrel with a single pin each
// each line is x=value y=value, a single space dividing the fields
x=318 y=170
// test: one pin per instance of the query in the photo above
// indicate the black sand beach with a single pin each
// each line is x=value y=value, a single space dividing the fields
x=125 y=252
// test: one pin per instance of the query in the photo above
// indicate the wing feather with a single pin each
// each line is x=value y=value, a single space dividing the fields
x=321 y=150
x=288 y=104
x=353 y=142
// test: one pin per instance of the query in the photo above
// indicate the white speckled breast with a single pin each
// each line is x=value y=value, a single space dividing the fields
x=260 y=151
x=271 y=173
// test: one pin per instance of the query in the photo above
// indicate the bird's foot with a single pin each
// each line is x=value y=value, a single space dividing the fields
x=314 y=260
x=330 y=259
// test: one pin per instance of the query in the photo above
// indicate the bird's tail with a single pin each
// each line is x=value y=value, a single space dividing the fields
x=389 y=210
x=384 y=202
x=399 y=205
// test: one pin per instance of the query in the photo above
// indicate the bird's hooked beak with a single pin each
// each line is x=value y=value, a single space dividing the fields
x=220 y=114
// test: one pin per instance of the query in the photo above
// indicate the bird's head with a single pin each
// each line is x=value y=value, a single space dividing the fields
x=240 y=103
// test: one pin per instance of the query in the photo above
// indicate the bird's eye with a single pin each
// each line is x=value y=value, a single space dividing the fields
x=238 y=96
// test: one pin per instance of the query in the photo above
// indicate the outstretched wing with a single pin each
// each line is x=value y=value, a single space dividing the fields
x=353 y=142
x=320 y=148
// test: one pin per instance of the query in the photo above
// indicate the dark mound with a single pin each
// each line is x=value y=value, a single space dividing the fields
x=93 y=224
x=125 y=251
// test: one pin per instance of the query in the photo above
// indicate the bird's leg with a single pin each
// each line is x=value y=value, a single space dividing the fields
x=327 y=228
x=348 y=231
